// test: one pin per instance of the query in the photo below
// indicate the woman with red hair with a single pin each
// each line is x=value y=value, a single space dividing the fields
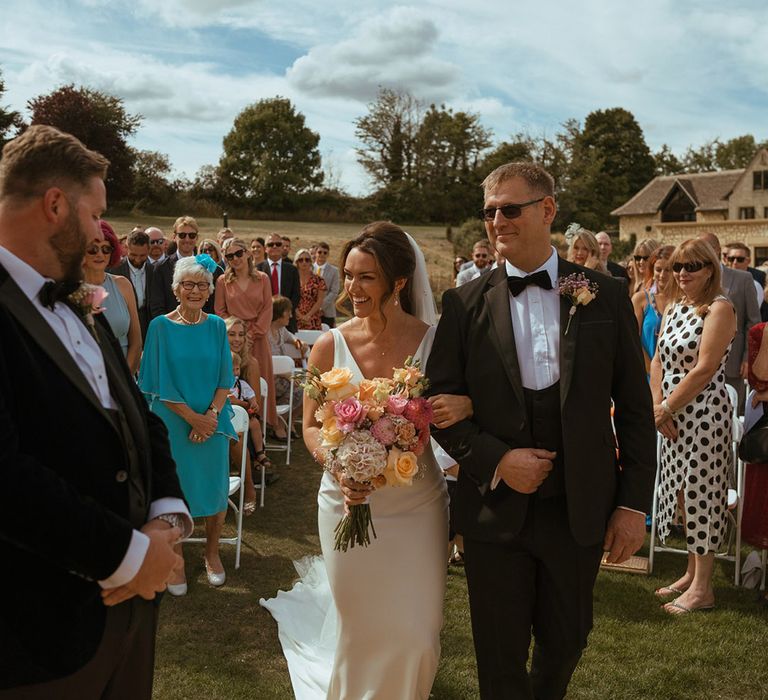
x=120 y=305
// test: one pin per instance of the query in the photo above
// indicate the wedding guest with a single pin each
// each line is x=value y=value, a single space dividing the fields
x=606 y=248
x=157 y=245
x=693 y=414
x=223 y=236
x=210 y=247
x=458 y=262
x=191 y=398
x=643 y=276
x=120 y=304
x=330 y=273
x=737 y=256
x=137 y=268
x=284 y=277
x=584 y=250
x=244 y=291
x=242 y=394
x=313 y=292
x=286 y=248
x=481 y=263
x=258 y=252
x=283 y=342
x=649 y=304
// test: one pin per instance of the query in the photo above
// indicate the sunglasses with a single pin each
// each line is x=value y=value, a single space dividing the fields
x=694 y=266
x=275 y=245
x=189 y=286
x=207 y=249
x=509 y=211
x=94 y=249
x=736 y=258
x=184 y=234
x=236 y=254
x=641 y=258
x=306 y=260
x=480 y=255
x=156 y=241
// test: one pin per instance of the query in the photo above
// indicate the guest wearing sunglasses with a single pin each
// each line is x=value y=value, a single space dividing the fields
x=642 y=275
x=163 y=301
x=157 y=245
x=283 y=276
x=694 y=415
x=120 y=305
x=245 y=292
x=313 y=290
x=481 y=263
x=209 y=247
x=737 y=256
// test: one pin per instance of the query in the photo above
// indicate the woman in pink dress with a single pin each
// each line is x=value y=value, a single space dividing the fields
x=245 y=292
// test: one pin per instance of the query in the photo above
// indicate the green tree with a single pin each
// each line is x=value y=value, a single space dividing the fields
x=666 y=162
x=100 y=121
x=270 y=155
x=737 y=152
x=9 y=119
x=702 y=159
x=151 y=185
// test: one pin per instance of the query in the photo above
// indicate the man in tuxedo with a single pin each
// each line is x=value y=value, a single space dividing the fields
x=162 y=299
x=136 y=267
x=91 y=504
x=606 y=248
x=740 y=289
x=541 y=494
x=283 y=275
x=330 y=273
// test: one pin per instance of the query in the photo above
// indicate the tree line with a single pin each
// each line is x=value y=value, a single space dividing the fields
x=426 y=162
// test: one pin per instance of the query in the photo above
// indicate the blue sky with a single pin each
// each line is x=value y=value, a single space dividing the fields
x=688 y=71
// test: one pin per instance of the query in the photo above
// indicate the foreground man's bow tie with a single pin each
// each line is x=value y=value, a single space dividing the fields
x=52 y=292
x=518 y=284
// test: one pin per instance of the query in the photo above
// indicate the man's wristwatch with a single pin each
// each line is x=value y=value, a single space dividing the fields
x=173 y=519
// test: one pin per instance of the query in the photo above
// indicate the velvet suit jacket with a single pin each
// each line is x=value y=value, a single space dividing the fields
x=600 y=359
x=65 y=503
x=289 y=285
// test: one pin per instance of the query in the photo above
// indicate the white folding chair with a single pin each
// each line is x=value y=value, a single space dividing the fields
x=264 y=393
x=236 y=483
x=284 y=366
x=324 y=327
x=309 y=337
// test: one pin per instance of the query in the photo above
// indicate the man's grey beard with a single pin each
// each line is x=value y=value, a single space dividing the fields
x=69 y=245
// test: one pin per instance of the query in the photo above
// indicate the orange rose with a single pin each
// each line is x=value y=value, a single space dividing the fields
x=330 y=433
x=366 y=389
x=401 y=467
x=340 y=393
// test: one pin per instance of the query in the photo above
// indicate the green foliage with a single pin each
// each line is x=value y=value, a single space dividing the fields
x=9 y=119
x=471 y=231
x=666 y=162
x=100 y=121
x=270 y=156
x=151 y=185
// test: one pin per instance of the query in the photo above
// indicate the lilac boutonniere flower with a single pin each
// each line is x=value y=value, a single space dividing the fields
x=579 y=290
x=87 y=300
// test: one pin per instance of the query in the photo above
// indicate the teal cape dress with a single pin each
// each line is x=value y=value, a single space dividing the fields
x=187 y=364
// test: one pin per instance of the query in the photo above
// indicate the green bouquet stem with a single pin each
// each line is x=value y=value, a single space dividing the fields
x=353 y=529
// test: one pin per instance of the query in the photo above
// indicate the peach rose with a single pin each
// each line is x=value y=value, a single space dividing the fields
x=341 y=393
x=584 y=296
x=336 y=378
x=330 y=433
x=374 y=412
x=324 y=412
x=366 y=389
x=401 y=467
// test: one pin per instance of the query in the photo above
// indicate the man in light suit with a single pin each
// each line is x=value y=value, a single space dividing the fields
x=740 y=289
x=481 y=263
x=330 y=273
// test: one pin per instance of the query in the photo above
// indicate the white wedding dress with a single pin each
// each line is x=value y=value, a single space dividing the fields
x=365 y=624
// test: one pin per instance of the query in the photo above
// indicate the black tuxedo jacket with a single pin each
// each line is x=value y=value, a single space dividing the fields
x=289 y=285
x=67 y=509
x=600 y=359
x=144 y=314
x=759 y=277
x=162 y=298
x=617 y=270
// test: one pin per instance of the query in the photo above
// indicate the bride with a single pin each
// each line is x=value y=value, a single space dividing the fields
x=385 y=641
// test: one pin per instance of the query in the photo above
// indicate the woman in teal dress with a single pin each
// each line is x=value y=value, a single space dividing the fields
x=186 y=375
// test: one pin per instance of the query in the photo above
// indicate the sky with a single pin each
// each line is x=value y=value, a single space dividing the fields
x=688 y=71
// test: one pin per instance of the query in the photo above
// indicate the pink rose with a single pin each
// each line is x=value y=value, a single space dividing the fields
x=349 y=410
x=396 y=404
x=384 y=431
x=419 y=412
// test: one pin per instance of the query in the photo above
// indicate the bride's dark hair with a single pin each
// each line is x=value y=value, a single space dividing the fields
x=392 y=251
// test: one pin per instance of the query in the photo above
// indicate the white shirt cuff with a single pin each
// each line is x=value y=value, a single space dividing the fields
x=631 y=510
x=132 y=561
x=173 y=505
x=496 y=479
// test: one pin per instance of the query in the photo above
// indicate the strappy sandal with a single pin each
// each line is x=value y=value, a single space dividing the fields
x=667 y=591
x=260 y=456
x=249 y=508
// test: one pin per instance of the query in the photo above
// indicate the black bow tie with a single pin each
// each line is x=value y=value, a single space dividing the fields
x=56 y=291
x=518 y=284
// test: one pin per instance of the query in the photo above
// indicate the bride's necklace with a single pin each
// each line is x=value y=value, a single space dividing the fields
x=185 y=321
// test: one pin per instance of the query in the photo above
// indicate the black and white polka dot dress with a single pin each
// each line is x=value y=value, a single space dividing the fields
x=699 y=460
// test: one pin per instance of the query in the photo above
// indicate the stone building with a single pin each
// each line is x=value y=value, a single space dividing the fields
x=733 y=204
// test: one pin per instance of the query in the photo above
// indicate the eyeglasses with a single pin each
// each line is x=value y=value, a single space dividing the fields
x=641 y=258
x=183 y=234
x=693 y=266
x=94 y=250
x=189 y=286
x=736 y=258
x=306 y=260
x=236 y=254
x=509 y=211
x=275 y=244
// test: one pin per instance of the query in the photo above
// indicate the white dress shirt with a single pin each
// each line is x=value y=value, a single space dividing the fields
x=85 y=351
x=138 y=279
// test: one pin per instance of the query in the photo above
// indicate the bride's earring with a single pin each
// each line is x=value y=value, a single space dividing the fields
x=397 y=301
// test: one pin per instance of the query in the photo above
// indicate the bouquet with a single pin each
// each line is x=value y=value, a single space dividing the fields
x=373 y=432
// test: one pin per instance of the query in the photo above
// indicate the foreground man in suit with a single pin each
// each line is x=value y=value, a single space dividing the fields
x=90 y=504
x=540 y=493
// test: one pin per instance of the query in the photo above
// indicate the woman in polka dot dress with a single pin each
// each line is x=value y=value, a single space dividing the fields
x=693 y=413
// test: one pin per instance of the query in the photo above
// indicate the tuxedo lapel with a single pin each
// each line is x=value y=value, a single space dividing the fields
x=567 y=341
x=502 y=334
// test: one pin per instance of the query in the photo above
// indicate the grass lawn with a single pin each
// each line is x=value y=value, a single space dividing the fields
x=221 y=644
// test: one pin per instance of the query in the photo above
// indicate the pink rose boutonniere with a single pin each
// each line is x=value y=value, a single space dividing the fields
x=579 y=290
x=87 y=300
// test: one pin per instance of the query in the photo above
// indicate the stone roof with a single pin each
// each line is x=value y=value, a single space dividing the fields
x=707 y=191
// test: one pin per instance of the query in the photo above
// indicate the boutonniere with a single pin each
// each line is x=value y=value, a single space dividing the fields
x=87 y=301
x=579 y=290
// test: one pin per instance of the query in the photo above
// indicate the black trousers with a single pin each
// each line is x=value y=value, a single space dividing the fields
x=121 y=669
x=330 y=321
x=540 y=583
